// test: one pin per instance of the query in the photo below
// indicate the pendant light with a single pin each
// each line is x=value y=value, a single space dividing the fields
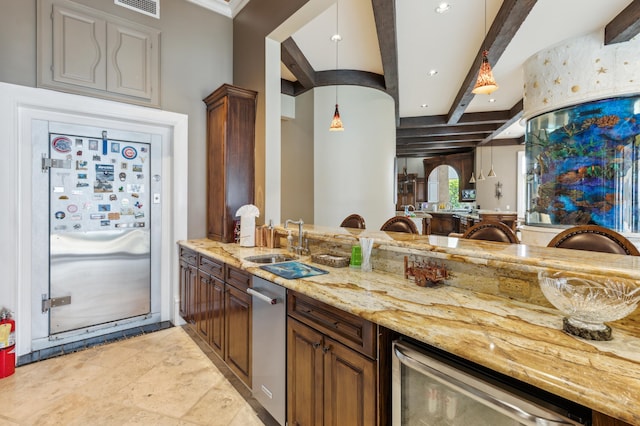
x=491 y=172
x=485 y=84
x=473 y=178
x=336 y=122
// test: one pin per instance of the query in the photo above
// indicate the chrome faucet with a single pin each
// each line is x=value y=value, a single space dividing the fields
x=299 y=249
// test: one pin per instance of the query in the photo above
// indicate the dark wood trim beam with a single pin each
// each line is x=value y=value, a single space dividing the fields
x=441 y=120
x=510 y=17
x=451 y=139
x=516 y=114
x=625 y=26
x=293 y=58
x=384 y=13
x=350 y=78
x=434 y=153
x=451 y=130
x=432 y=146
x=286 y=87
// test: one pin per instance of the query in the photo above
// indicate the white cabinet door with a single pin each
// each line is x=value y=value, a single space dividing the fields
x=78 y=48
x=133 y=60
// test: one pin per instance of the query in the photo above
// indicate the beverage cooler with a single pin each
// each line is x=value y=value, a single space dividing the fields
x=432 y=388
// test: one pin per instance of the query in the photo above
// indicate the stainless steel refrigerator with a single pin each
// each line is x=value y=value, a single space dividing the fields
x=99 y=231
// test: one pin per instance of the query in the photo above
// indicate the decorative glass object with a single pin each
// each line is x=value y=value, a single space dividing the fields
x=588 y=304
x=583 y=165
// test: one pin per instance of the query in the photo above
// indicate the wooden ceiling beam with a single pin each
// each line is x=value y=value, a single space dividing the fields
x=452 y=139
x=384 y=13
x=293 y=58
x=441 y=120
x=350 y=78
x=625 y=26
x=509 y=19
x=515 y=112
x=450 y=130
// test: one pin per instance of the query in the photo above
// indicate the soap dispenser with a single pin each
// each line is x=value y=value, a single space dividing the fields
x=290 y=241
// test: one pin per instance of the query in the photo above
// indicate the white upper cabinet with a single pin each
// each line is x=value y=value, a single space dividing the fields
x=86 y=51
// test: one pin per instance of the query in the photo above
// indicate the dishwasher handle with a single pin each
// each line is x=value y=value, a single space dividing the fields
x=262 y=297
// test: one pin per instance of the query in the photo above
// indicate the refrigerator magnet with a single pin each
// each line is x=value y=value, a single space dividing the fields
x=62 y=144
x=115 y=147
x=60 y=215
x=129 y=152
x=93 y=145
x=72 y=208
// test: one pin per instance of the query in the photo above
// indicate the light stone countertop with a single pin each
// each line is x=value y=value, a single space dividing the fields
x=518 y=339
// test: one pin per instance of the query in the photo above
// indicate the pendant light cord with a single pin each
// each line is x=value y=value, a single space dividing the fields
x=337 y=42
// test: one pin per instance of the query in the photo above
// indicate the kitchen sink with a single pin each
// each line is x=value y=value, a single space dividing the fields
x=270 y=258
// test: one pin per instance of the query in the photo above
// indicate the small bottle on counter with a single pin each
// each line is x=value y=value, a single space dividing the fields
x=289 y=241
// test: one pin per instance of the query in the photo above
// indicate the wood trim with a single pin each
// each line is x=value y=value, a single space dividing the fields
x=384 y=13
x=625 y=26
x=508 y=21
x=297 y=63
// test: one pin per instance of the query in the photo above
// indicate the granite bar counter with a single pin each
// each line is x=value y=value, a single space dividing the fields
x=520 y=338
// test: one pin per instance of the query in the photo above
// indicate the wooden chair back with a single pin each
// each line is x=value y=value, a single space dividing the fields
x=400 y=224
x=491 y=231
x=353 y=221
x=594 y=238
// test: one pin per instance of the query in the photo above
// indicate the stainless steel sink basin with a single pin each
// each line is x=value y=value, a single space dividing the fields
x=270 y=258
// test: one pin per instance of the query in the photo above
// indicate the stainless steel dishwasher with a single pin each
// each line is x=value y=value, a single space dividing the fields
x=269 y=355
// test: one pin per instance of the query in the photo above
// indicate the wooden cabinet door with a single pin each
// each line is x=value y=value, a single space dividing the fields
x=202 y=314
x=188 y=278
x=217 y=319
x=238 y=332
x=349 y=386
x=216 y=177
x=305 y=365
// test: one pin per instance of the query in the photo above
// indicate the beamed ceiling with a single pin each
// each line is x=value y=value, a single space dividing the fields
x=411 y=38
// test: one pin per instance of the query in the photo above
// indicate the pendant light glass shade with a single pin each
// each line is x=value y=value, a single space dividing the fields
x=473 y=178
x=485 y=84
x=336 y=123
x=481 y=175
x=491 y=172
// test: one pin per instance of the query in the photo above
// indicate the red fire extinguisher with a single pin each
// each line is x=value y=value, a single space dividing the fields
x=7 y=344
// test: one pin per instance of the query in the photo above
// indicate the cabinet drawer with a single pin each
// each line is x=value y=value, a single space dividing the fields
x=238 y=278
x=348 y=329
x=188 y=256
x=211 y=267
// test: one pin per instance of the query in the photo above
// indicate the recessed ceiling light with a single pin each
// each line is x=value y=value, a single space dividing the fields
x=443 y=7
x=424 y=106
x=432 y=73
x=492 y=100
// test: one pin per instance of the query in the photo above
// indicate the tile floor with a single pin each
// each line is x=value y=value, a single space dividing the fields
x=168 y=377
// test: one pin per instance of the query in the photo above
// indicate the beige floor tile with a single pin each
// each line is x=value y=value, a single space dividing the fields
x=161 y=378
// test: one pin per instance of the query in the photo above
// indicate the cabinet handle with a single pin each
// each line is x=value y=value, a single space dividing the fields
x=316 y=345
x=326 y=349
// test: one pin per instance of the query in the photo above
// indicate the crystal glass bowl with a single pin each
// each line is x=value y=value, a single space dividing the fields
x=589 y=304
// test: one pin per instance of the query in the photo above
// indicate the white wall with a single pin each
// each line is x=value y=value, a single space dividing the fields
x=505 y=164
x=353 y=170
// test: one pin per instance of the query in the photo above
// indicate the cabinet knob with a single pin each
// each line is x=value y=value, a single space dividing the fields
x=326 y=349
x=316 y=345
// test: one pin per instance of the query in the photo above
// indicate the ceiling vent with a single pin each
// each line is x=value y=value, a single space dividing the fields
x=147 y=7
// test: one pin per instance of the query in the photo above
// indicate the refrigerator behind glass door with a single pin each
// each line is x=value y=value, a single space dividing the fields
x=99 y=242
x=428 y=391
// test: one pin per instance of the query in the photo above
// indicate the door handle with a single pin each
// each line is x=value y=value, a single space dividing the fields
x=262 y=297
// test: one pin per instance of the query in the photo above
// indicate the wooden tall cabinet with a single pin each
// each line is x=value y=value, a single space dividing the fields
x=231 y=116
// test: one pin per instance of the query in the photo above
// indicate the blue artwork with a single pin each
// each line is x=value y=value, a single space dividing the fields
x=583 y=165
x=293 y=270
